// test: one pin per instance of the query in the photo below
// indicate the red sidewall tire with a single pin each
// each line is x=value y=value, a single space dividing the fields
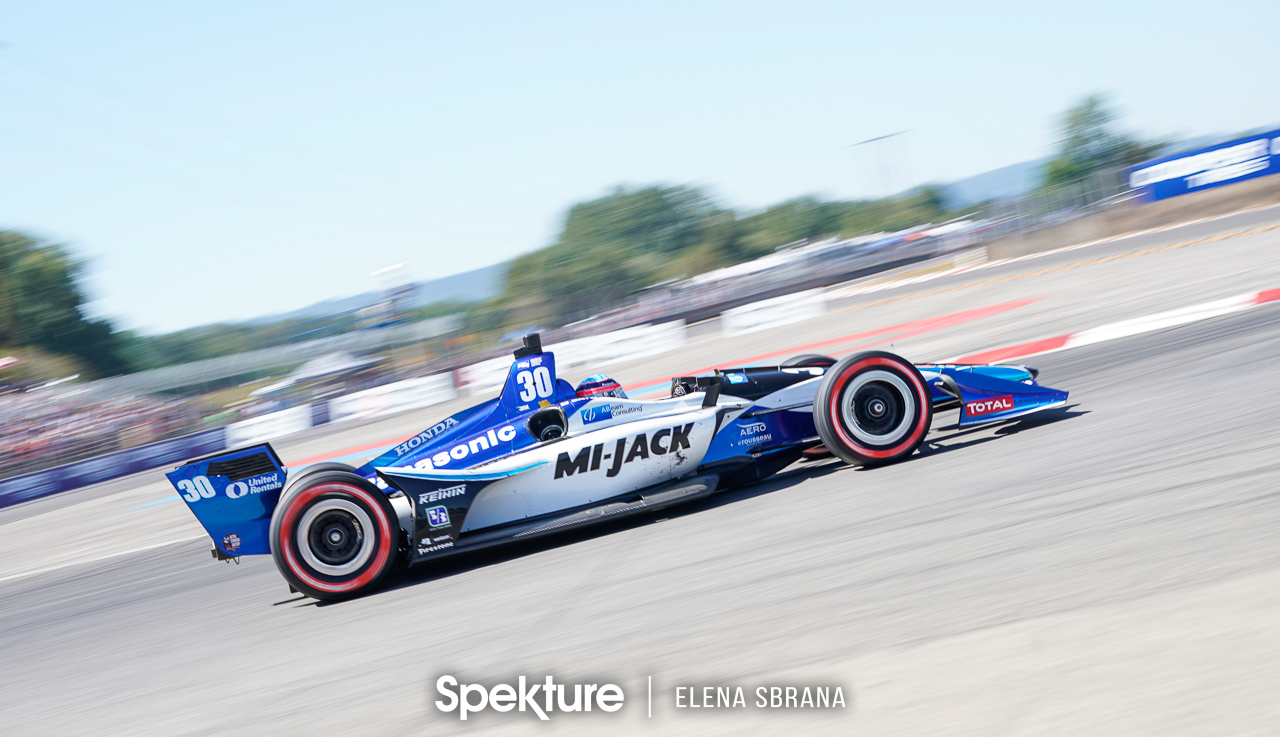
x=833 y=425
x=342 y=491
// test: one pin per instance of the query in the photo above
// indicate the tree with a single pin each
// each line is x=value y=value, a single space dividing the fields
x=632 y=238
x=41 y=305
x=608 y=248
x=1091 y=143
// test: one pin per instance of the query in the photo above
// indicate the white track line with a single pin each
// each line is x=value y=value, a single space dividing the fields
x=1124 y=328
x=69 y=564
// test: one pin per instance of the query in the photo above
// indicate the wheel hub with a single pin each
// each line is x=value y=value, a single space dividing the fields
x=877 y=407
x=336 y=538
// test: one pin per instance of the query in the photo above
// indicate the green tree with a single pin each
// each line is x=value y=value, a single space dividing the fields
x=803 y=218
x=41 y=305
x=608 y=247
x=632 y=238
x=1091 y=142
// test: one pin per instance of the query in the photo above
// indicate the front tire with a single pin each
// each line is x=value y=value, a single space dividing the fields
x=334 y=535
x=809 y=360
x=873 y=408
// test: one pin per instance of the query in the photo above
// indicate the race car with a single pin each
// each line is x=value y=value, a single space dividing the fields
x=545 y=457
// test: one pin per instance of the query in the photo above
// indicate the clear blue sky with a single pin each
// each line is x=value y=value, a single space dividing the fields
x=219 y=161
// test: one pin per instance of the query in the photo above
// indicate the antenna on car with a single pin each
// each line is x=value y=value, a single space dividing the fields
x=532 y=346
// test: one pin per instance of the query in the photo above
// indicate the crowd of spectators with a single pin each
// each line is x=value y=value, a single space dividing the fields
x=44 y=428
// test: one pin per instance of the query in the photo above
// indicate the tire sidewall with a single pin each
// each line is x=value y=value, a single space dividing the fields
x=830 y=399
x=333 y=484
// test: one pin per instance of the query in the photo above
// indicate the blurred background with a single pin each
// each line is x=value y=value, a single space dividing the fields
x=73 y=385
x=327 y=225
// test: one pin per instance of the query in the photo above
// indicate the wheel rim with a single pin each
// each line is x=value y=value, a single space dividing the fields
x=333 y=536
x=877 y=407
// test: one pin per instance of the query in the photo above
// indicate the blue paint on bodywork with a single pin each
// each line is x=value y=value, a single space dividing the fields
x=753 y=435
x=237 y=515
x=488 y=431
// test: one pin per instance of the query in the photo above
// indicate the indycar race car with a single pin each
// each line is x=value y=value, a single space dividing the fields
x=544 y=457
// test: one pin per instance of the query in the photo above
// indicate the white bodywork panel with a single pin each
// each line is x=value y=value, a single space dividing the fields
x=612 y=446
x=576 y=470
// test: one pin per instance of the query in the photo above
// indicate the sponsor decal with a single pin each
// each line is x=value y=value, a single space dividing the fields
x=266 y=482
x=255 y=485
x=433 y=548
x=231 y=542
x=626 y=450
x=431 y=497
x=423 y=436
x=438 y=517
x=736 y=378
x=599 y=413
x=980 y=407
x=486 y=440
x=441 y=538
x=753 y=433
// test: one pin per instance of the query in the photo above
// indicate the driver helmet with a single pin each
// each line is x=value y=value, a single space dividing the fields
x=600 y=385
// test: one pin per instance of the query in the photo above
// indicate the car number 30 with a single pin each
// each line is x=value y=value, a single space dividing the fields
x=535 y=384
x=193 y=490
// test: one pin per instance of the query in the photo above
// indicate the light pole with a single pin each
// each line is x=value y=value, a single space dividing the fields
x=884 y=164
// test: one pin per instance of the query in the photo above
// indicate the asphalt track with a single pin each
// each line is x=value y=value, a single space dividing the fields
x=1108 y=568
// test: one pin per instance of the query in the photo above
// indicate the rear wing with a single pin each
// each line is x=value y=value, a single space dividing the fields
x=233 y=495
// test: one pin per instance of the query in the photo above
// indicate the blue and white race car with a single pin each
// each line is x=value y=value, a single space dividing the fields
x=544 y=457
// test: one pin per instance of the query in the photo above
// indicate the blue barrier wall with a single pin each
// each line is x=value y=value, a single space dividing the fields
x=1205 y=168
x=110 y=466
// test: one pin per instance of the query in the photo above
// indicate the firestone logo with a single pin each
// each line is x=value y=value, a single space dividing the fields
x=989 y=406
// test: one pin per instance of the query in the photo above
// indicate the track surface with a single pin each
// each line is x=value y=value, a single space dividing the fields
x=1110 y=568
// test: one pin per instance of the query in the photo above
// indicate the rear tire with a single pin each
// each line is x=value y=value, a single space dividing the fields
x=334 y=535
x=809 y=360
x=873 y=408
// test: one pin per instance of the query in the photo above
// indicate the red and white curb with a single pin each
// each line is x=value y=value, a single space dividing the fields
x=1124 y=328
